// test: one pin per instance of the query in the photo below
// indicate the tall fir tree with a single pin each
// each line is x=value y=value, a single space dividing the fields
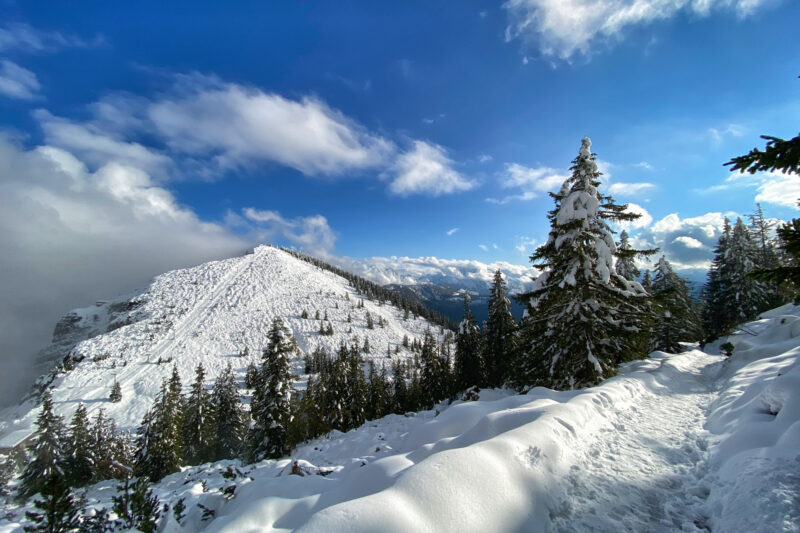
x=115 y=396
x=733 y=295
x=270 y=408
x=79 y=459
x=626 y=258
x=583 y=317
x=159 y=446
x=676 y=319
x=229 y=417
x=355 y=389
x=501 y=334
x=57 y=511
x=46 y=454
x=199 y=425
x=469 y=365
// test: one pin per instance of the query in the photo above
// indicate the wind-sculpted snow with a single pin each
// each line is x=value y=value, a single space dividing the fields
x=210 y=314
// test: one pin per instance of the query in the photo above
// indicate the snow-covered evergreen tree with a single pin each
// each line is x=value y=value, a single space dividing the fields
x=270 y=408
x=57 y=510
x=159 y=446
x=469 y=365
x=115 y=395
x=199 y=425
x=355 y=390
x=583 y=317
x=46 y=454
x=228 y=415
x=78 y=450
x=379 y=393
x=733 y=295
x=675 y=319
x=501 y=334
x=626 y=258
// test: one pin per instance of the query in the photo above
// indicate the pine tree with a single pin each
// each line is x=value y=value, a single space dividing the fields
x=105 y=448
x=57 y=509
x=501 y=330
x=434 y=379
x=79 y=444
x=199 y=425
x=355 y=389
x=370 y=323
x=159 y=446
x=136 y=506
x=46 y=452
x=733 y=295
x=115 y=396
x=583 y=318
x=228 y=416
x=270 y=408
x=469 y=365
x=626 y=264
x=676 y=319
x=400 y=392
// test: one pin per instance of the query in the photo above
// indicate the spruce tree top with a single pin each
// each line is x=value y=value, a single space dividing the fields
x=581 y=248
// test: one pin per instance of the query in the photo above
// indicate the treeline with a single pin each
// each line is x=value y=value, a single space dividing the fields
x=374 y=291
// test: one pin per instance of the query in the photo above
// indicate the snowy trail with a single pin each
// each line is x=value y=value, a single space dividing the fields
x=644 y=470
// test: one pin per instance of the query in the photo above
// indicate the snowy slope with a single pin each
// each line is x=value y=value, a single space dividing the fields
x=208 y=314
x=688 y=442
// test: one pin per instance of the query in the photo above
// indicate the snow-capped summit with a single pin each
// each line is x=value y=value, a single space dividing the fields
x=218 y=313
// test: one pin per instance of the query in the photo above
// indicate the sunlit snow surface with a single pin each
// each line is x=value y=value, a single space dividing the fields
x=689 y=442
x=209 y=314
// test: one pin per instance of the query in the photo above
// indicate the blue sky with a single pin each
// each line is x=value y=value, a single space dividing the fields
x=430 y=109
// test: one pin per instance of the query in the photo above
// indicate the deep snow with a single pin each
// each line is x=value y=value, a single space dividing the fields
x=687 y=442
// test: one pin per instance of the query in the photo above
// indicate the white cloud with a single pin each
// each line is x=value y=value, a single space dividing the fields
x=644 y=220
x=241 y=126
x=564 y=28
x=26 y=38
x=467 y=274
x=98 y=146
x=312 y=233
x=532 y=182
x=71 y=236
x=687 y=243
x=17 y=82
x=483 y=247
x=451 y=231
x=525 y=245
x=717 y=135
x=645 y=165
x=630 y=189
x=771 y=187
x=426 y=169
x=484 y=158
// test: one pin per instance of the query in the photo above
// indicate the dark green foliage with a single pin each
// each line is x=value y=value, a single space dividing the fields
x=199 y=423
x=355 y=389
x=178 y=510
x=370 y=323
x=501 y=335
x=115 y=396
x=96 y=521
x=270 y=408
x=79 y=460
x=626 y=264
x=469 y=365
x=779 y=154
x=229 y=417
x=401 y=399
x=675 y=319
x=57 y=511
x=159 y=446
x=788 y=274
x=379 y=394
x=251 y=376
x=136 y=506
x=733 y=295
x=435 y=373
x=583 y=318
x=46 y=452
x=108 y=449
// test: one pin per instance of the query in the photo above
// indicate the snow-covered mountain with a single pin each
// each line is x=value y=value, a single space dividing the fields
x=208 y=314
x=440 y=283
